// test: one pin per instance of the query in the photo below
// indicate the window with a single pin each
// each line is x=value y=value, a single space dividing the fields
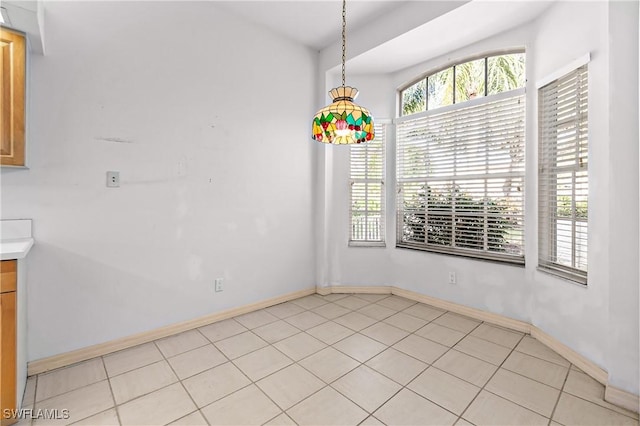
x=460 y=168
x=465 y=81
x=367 y=190
x=563 y=179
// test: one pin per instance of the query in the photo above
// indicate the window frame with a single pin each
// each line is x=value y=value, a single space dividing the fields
x=381 y=127
x=547 y=226
x=487 y=255
x=452 y=64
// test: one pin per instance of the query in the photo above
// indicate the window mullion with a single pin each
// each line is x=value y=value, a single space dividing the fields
x=573 y=219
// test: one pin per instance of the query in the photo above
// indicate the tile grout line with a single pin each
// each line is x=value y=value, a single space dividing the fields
x=254 y=383
x=431 y=365
x=99 y=412
x=492 y=376
x=229 y=360
x=601 y=406
x=165 y=358
x=364 y=363
x=115 y=405
x=179 y=381
x=555 y=406
x=482 y=388
x=325 y=384
x=213 y=343
x=531 y=378
x=106 y=379
x=282 y=413
x=35 y=393
x=543 y=359
x=402 y=387
x=329 y=384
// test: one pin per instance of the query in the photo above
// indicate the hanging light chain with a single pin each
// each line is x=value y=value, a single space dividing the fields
x=344 y=37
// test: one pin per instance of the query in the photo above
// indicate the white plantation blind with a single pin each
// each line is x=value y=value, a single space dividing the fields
x=563 y=175
x=367 y=190
x=460 y=176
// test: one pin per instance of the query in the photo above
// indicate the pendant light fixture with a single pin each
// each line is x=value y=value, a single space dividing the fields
x=343 y=122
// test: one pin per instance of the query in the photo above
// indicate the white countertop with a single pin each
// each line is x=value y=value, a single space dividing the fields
x=15 y=249
x=15 y=238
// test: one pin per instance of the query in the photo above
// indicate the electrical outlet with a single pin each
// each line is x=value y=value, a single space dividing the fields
x=113 y=179
x=452 y=277
x=219 y=285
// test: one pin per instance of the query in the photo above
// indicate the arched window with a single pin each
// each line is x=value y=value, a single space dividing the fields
x=473 y=79
x=460 y=160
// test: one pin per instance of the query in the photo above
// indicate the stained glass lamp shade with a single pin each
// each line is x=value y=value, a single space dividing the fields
x=343 y=122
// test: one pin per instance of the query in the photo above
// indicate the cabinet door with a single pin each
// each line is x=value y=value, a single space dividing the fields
x=8 y=277
x=7 y=355
x=12 y=98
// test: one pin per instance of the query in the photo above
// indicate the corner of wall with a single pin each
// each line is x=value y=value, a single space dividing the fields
x=40 y=16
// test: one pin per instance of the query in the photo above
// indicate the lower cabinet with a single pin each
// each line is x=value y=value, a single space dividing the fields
x=8 y=281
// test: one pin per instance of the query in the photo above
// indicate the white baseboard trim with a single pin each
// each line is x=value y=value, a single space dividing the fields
x=342 y=289
x=323 y=291
x=500 y=320
x=613 y=395
x=478 y=314
x=622 y=398
x=496 y=319
x=83 y=354
x=569 y=354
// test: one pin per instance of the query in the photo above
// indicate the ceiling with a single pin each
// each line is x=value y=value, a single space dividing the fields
x=314 y=23
x=406 y=32
x=453 y=30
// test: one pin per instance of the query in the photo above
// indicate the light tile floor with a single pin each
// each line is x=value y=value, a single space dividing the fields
x=339 y=359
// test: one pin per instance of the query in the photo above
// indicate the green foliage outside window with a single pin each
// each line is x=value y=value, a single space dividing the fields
x=503 y=73
x=564 y=207
x=453 y=209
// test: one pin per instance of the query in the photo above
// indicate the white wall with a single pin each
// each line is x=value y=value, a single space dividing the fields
x=205 y=119
x=624 y=322
x=599 y=321
x=579 y=316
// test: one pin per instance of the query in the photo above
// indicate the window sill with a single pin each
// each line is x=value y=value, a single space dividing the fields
x=577 y=277
x=367 y=244
x=514 y=261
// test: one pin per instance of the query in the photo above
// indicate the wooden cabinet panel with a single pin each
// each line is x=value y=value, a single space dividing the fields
x=8 y=277
x=12 y=98
x=8 y=340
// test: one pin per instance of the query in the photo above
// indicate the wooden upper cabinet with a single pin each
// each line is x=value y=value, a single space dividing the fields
x=12 y=102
